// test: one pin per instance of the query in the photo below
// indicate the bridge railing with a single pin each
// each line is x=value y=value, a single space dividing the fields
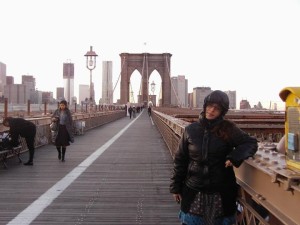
x=263 y=180
x=87 y=122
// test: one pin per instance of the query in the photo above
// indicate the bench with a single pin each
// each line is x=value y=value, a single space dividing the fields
x=5 y=154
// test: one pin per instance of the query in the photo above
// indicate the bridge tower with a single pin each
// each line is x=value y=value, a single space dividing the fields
x=145 y=63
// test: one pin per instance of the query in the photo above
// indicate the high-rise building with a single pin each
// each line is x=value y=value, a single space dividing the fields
x=68 y=75
x=232 y=99
x=29 y=82
x=37 y=97
x=84 y=93
x=107 y=86
x=10 y=80
x=60 y=94
x=190 y=100
x=47 y=96
x=16 y=93
x=199 y=93
x=2 y=78
x=179 y=91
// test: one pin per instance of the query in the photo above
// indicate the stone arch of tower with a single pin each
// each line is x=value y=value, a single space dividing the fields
x=146 y=63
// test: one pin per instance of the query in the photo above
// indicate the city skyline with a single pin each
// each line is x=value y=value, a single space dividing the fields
x=135 y=78
x=57 y=94
x=250 y=46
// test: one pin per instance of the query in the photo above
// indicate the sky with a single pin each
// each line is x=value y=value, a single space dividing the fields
x=248 y=46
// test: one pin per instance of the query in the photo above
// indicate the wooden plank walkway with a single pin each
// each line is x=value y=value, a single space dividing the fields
x=115 y=174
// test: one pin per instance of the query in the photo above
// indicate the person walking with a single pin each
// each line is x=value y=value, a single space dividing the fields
x=133 y=112
x=203 y=180
x=19 y=127
x=63 y=134
x=130 y=111
x=149 y=110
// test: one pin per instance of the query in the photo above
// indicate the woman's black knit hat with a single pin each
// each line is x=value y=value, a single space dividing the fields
x=218 y=97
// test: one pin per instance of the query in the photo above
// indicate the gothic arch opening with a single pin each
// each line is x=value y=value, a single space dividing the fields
x=134 y=86
x=155 y=89
x=146 y=63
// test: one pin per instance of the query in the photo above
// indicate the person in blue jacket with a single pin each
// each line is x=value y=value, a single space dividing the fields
x=203 y=180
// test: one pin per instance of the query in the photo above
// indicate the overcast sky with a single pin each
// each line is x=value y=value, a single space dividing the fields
x=250 y=46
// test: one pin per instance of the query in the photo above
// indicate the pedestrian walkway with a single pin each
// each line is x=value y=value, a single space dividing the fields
x=114 y=174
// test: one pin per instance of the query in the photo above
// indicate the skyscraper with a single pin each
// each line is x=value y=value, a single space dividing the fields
x=107 y=86
x=84 y=93
x=10 y=80
x=29 y=82
x=199 y=94
x=232 y=99
x=2 y=78
x=179 y=91
x=60 y=93
x=68 y=75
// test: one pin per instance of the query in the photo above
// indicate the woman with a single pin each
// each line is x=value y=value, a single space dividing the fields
x=203 y=179
x=63 y=135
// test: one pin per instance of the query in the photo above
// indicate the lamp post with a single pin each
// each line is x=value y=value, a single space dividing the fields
x=153 y=87
x=90 y=65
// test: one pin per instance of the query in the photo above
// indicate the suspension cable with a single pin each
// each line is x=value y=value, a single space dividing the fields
x=173 y=88
x=112 y=94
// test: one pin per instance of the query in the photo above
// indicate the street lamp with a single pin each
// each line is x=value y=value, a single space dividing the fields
x=153 y=87
x=90 y=65
x=152 y=98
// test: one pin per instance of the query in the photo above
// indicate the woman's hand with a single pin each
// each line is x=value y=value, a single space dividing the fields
x=177 y=198
x=228 y=163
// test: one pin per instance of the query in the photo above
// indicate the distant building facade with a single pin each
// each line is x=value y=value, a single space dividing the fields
x=2 y=78
x=107 y=85
x=199 y=93
x=190 y=100
x=37 y=97
x=232 y=99
x=68 y=76
x=179 y=91
x=60 y=95
x=84 y=93
x=16 y=93
x=10 y=80
x=29 y=82
x=47 y=97
x=244 y=104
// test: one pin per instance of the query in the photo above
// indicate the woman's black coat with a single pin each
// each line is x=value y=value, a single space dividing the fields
x=199 y=163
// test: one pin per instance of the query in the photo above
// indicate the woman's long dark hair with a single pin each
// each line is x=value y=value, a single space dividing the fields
x=220 y=127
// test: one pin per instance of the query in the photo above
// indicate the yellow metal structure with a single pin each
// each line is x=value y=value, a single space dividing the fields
x=291 y=97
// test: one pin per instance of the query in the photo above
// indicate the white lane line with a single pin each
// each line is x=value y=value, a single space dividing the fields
x=151 y=120
x=38 y=206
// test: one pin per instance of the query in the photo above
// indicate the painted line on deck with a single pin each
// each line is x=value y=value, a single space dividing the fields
x=151 y=120
x=38 y=206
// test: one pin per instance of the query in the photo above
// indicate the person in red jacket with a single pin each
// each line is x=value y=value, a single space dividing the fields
x=20 y=127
